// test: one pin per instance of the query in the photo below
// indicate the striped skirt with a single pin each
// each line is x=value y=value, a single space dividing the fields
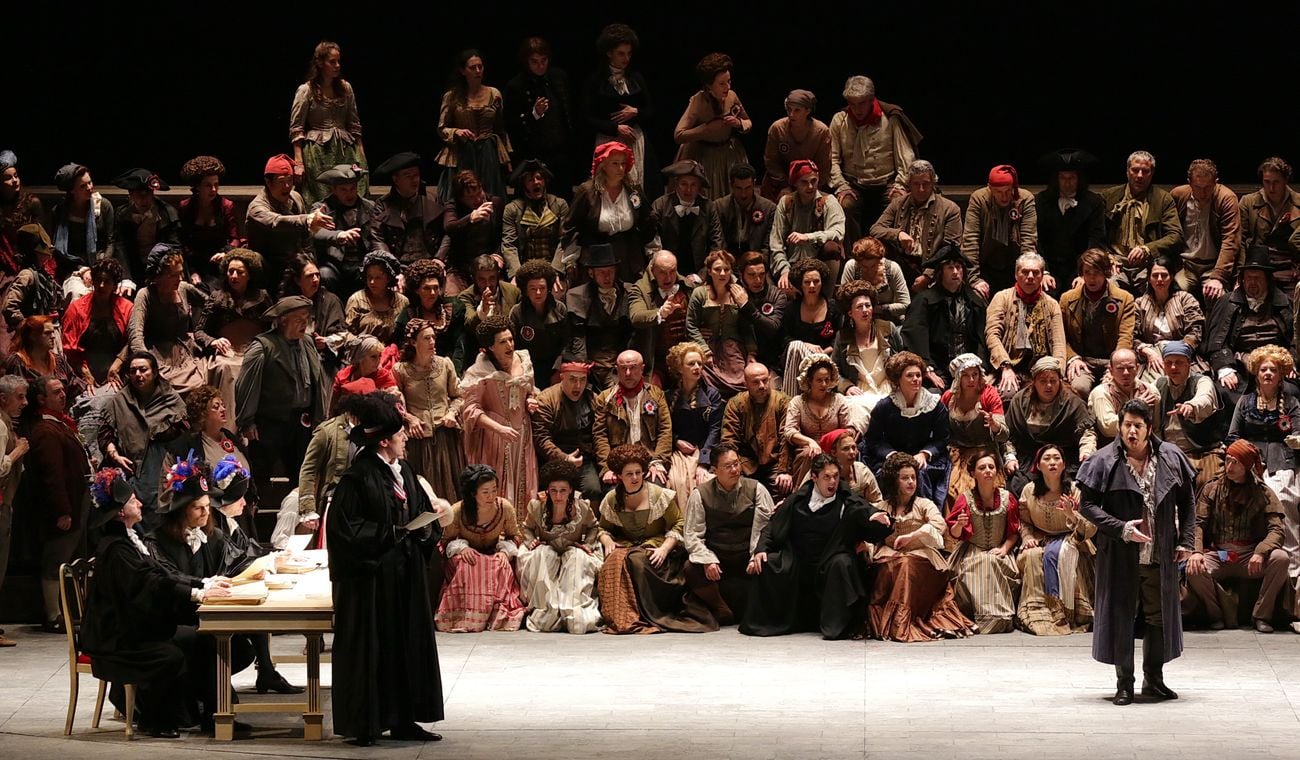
x=483 y=596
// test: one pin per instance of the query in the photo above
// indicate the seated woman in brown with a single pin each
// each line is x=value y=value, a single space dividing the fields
x=912 y=599
x=642 y=585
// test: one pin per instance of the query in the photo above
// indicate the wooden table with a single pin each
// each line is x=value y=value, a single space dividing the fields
x=308 y=609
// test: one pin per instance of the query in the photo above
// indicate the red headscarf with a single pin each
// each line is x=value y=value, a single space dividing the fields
x=567 y=367
x=800 y=168
x=828 y=441
x=605 y=150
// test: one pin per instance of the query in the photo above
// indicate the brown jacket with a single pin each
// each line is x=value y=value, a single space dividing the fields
x=1268 y=525
x=1183 y=311
x=1161 y=229
x=1000 y=329
x=940 y=220
x=1117 y=319
x=740 y=428
x=1225 y=228
x=612 y=426
x=1258 y=227
x=548 y=409
x=976 y=237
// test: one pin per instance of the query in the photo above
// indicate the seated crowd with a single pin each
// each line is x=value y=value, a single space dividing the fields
x=824 y=398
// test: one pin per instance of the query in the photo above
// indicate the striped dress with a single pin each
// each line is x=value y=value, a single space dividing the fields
x=986 y=585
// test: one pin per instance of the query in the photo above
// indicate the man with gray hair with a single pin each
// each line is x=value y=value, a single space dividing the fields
x=1141 y=222
x=13 y=398
x=872 y=144
x=916 y=225
x=657 y=310
x=1023 y=325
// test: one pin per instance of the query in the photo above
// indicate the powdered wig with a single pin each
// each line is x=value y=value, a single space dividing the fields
x=859 y=87
x=1280 y=357
x=421 y=270
x=252 y=261
x=489 y=328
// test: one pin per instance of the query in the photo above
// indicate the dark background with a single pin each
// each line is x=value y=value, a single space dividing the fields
x=986 y=83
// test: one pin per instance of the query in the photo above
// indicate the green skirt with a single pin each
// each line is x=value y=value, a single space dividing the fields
x=317 y=157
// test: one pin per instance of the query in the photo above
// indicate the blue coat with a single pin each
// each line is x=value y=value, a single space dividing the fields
x=1111 y=497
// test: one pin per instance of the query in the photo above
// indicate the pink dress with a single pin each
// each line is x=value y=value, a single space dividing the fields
x=503 y=397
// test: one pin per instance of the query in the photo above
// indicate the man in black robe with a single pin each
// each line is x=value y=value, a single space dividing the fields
x=809 y=577
x=386 y=673
x=133 y=608
x=1138 y=491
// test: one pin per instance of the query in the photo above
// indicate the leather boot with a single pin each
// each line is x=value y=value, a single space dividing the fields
x=1153 y=665
x=1123 y=684
x=711 y=595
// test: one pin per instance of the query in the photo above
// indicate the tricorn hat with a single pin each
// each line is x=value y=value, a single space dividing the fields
x=140 y=179
x=527 y=167
x=342 y=174
x=396 y=163
x=686 y=168
x=1067 y=160
x=944 y=253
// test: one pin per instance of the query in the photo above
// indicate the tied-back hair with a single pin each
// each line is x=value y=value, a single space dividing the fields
x=559 y=469
x=459 y=85
x=314 y=73
x=620 y=458
x=296 y=266
x=471 y=479
x=1041 y=488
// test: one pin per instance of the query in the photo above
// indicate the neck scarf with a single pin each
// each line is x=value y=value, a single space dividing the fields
x=1027 y=298
x=195 y=538
x=872 y=118
x=92 y=235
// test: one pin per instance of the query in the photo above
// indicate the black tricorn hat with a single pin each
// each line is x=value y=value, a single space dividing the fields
x=1067 y=160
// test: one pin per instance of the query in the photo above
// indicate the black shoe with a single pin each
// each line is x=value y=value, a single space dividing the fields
x=363 y=741
x=54 y=626
x=164 y=733
x=273 y=681
x=413 y=732
x=1123 y=694
x=1155 y=687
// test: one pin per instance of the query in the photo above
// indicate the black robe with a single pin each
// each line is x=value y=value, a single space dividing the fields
x=385 y=659
x=133 y=607
x=775 y=602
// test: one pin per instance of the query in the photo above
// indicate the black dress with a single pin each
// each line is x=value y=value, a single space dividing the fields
x=132 y=611
x=385 y=659
x=813 y=579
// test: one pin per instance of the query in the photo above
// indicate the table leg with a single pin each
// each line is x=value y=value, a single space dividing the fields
x=225 y=715
x=313 y=719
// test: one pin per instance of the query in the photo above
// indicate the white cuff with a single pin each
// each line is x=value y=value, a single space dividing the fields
x=196 y=595
x=456 y=546
x=209 y=582
x=1225 y=371
x=308 y=516
x=1130 y=528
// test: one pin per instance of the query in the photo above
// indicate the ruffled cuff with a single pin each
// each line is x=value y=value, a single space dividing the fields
x=456 y=546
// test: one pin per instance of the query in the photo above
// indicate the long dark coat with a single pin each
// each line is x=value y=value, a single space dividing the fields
x=385 y=659
x=773 y=608
x=1111 y=497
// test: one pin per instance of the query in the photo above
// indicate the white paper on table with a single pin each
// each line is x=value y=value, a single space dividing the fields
x=298 y=544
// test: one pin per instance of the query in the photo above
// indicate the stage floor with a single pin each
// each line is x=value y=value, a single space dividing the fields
x=522 y=695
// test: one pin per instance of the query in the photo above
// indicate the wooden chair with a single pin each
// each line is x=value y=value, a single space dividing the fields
x=73 y=580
